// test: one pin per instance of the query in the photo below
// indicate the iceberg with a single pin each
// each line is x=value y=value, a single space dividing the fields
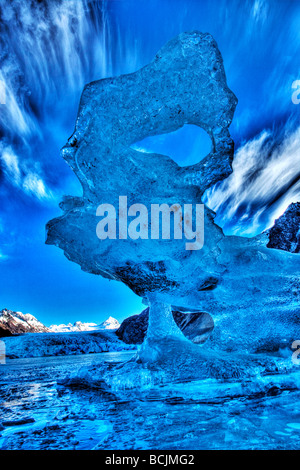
x=250 y=290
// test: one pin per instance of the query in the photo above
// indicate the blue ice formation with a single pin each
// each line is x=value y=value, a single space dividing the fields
x=251 y=291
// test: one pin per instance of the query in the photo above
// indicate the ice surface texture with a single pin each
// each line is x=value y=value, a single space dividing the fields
x=251 y=291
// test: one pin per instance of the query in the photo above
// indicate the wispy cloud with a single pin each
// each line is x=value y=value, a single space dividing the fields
x=34 y=184
x=260 y=10
x=11 y=165
x=20 y=175
x=265 y=180
x=3 y=257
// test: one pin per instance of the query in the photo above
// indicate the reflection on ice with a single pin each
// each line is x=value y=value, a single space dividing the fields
x=254 y=413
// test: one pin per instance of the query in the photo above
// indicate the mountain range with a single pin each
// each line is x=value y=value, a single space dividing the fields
x=16 y=323
x=109 y=324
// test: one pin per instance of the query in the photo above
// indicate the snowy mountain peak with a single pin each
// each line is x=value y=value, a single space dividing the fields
x=110 y=324
x=17 y=322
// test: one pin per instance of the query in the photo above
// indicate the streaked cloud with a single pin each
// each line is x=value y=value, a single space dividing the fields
x=19 y=174
x=34 y=184
x=260 y=10
x=265 y=180
x=11 y=165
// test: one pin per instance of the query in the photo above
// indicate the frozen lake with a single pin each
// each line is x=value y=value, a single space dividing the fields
x=206 y=414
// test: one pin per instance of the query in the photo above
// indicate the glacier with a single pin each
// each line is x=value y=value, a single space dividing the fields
x=250 y=290
x=63 y=344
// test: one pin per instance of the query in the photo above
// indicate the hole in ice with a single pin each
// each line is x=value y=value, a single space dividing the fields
x=196 y=326
x=186 y=146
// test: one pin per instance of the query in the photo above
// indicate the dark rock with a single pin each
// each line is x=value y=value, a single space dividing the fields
x=196 y=326
x=285 y=234
x=18 y=422
x=4 y=332
x=133 y=329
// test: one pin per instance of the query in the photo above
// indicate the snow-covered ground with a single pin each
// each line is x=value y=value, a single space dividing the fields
x=58 y=344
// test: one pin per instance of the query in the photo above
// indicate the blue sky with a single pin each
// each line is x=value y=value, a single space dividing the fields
x=50 y=50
